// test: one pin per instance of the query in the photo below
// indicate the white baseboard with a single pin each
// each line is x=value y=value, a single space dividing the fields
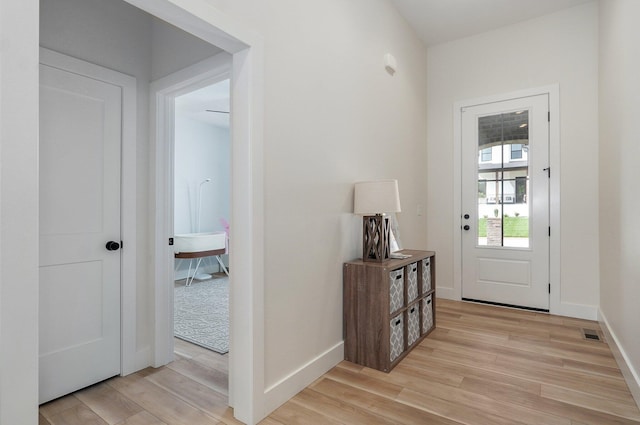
x=628 y=372
x=280 y=392
x=143 y=359
x=578 y=311
x=446 y=293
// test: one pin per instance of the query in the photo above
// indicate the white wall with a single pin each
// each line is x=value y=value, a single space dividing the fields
x=558 y=48
x=333 y=116
x=18 y=212
x=201 y=151
x=168 y=52
x=619 y=175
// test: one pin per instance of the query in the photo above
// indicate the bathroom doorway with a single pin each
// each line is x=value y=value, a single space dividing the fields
x=242 y=61
x=202 y=154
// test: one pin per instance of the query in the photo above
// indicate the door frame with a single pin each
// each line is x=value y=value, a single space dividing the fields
x=553 y=91
x=246 y=366
x=127 y=192
x=162 y=117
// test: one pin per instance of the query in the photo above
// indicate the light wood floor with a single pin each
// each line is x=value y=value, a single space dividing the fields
x=482 y=365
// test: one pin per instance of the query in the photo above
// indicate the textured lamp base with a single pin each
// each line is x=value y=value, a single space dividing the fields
x=375 y=238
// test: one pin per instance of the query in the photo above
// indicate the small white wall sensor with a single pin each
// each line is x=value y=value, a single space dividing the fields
x=390 y=63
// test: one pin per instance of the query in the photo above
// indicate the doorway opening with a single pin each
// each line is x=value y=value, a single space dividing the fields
x=113 y=40
x=202 y=149
x=505 y=244
x=506 y=249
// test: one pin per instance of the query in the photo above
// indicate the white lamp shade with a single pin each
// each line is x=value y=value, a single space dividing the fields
x=376 y=197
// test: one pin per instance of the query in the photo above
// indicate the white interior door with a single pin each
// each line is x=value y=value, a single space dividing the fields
x=80 y=143
x=505 y=202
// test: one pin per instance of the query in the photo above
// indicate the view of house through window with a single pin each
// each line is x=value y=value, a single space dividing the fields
x=503 y=180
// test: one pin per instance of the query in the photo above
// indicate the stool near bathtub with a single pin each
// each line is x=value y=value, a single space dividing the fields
x=192 y=246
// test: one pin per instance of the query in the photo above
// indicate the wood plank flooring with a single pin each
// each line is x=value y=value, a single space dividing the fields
x=482 y=365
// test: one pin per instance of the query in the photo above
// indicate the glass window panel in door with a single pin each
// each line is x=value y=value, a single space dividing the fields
x=503 y=180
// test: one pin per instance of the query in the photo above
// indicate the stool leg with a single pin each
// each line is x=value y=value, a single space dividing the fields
x=195 y=272
x=189 y=282
x=222 y=265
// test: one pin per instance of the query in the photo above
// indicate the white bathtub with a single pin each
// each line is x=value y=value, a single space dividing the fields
x=199 y=242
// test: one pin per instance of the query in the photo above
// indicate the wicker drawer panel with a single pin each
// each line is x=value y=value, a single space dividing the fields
x=396 y=337
x=396 y=290
x=412 y=282
x=427 y=314
x=413 y=324
x=426 y=275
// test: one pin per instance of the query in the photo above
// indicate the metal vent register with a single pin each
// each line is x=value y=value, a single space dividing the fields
x=590 y=334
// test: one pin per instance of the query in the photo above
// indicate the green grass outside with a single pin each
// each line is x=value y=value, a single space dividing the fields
x=513 y=227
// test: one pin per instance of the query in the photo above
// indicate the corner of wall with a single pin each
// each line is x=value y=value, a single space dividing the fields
x=143 y=358
x=628 y=372
x=446 y=293
x=280 y=392
x=579 y=311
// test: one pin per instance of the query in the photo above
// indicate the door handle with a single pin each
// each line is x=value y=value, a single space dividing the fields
x=112 y=246
x=466 y=216
x=466 y=227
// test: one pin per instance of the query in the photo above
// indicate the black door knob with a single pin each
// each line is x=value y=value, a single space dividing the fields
x=113 y=246
x=466 y=216
x=466 y=227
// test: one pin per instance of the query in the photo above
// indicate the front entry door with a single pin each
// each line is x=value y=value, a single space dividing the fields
x=80 y=143
x=505 y=202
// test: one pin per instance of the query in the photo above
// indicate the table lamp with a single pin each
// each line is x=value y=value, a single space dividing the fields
x=371 y=200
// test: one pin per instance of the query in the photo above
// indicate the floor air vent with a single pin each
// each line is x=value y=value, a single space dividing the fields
x=590 y=334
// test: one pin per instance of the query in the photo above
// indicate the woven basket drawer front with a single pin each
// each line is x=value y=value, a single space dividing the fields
x=426 y=275
x=413 y=324
x=427 y=314
x=396 y=337
x=412 y=282
x=396 y=290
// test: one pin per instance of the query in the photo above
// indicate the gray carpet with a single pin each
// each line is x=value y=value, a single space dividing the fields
x=201 y=313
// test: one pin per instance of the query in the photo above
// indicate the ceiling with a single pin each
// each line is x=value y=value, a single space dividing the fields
x=198 y=104
x=439 y=21
x=507 y=128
